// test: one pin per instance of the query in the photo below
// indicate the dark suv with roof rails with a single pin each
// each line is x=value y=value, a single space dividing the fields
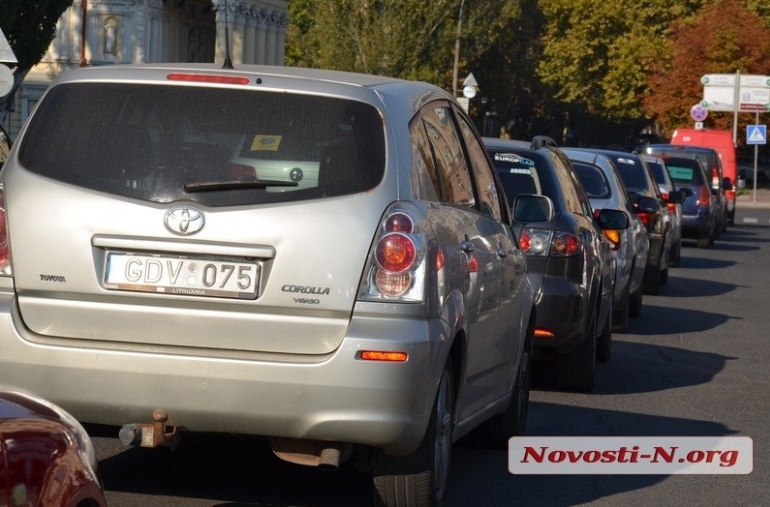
x=569 y=259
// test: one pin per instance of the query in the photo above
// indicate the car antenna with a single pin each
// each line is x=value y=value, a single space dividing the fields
x=228 y=63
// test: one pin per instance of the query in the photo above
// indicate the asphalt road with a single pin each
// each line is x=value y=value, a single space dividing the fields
x=695 y=363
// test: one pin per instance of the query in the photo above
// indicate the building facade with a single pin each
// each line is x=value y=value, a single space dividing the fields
x=109 y=32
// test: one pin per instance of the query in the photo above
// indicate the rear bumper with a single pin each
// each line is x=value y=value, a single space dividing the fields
x=562 y=311
x=696 y=226
x=336 y=397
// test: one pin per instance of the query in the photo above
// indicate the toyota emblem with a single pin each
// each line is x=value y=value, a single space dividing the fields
x=184 y=221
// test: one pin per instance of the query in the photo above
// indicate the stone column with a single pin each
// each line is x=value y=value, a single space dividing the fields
x=272 y=36
x=250 y=36
x=280 y=58
x=261 y=45
x=221 y=41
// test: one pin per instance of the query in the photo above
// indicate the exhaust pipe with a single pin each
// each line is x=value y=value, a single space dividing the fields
x=329 y=460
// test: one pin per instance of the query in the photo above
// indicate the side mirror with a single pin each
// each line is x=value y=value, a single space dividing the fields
x=676 y=196
x=688 y=192
x=612 y=219
x=647 y=204
x=532 y=208
x=727 y=183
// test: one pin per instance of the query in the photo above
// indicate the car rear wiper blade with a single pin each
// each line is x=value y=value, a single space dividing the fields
x=211 y=186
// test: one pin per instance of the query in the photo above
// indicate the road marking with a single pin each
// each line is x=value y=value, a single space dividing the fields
x=750 y=220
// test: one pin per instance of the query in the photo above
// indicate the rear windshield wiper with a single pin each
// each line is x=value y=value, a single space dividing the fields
x=211 y=186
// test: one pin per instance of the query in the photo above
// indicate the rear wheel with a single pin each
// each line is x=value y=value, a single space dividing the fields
x=604 y=342
x=664 y=276
x=676 y=253
x=494 y=433
x=420 y=479
x=620 y=319
x=652 y=281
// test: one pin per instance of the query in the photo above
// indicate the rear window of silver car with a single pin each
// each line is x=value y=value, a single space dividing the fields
x=210 y=145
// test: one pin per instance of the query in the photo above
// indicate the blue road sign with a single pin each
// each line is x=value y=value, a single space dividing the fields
x=756 y=134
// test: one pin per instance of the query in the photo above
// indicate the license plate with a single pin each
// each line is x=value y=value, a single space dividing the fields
x=181 y=276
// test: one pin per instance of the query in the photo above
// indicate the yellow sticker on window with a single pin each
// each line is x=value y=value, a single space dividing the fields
x=265 y=143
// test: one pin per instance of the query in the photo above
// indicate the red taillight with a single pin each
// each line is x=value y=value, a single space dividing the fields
x=440 y=259
x=473 y=264
x=396 y=267
x=395 y=252
x=644 y=217
x=540 y=243
x=671 y=208
x=399 y=222
x=208 y=78
x=565 y=244
x=525 y=241
x=543 y=333
x=704 y=196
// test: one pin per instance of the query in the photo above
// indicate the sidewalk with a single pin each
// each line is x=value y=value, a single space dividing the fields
x=748 y=200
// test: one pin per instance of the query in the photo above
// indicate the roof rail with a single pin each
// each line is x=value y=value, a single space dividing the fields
x=540 y=141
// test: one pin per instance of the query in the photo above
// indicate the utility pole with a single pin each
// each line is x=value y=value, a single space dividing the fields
x=455 y=68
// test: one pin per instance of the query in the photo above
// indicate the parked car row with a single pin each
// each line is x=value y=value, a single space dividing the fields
x=325 y=259
x=697 y=170
x=338 y=262
x=610 y=239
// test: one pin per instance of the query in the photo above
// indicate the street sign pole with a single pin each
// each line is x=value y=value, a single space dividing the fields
x=756 y=160
x=756 y=134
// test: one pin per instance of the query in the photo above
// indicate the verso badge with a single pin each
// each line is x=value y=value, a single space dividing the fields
x=184 y=221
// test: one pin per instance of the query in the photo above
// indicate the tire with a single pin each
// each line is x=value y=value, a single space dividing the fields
x=675 y=254
x=576 y=369
x=635 y=303
x=604 y=342
x=494 y=433
x=652 y=281
x=621 y=318
x=420 y=479
x=704 y=242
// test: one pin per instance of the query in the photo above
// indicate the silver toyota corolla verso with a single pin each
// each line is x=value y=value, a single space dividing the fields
x=321 y=258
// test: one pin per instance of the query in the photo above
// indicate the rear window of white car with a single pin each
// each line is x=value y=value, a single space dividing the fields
x=210 y=145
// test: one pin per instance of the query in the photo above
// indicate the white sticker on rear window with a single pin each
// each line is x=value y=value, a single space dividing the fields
x=512 y=158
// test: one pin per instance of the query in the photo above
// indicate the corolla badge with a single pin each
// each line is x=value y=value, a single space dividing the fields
x=184 y=221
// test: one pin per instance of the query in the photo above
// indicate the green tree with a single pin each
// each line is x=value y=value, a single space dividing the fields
x=29 y=26
x=706 y=44
x=596 y=54
x=410 y=39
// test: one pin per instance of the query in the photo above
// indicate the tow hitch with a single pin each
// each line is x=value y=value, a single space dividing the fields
x=150 y=435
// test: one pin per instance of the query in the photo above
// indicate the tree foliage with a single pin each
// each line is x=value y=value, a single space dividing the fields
x=706 y=44
x=410 y=39
x=597 y=53
x=29 y=26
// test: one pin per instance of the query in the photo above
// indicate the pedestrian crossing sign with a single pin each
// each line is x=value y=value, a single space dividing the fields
x=756 y=134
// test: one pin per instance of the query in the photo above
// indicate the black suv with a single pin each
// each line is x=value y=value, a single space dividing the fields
x=640 y=182
x=569 y=259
